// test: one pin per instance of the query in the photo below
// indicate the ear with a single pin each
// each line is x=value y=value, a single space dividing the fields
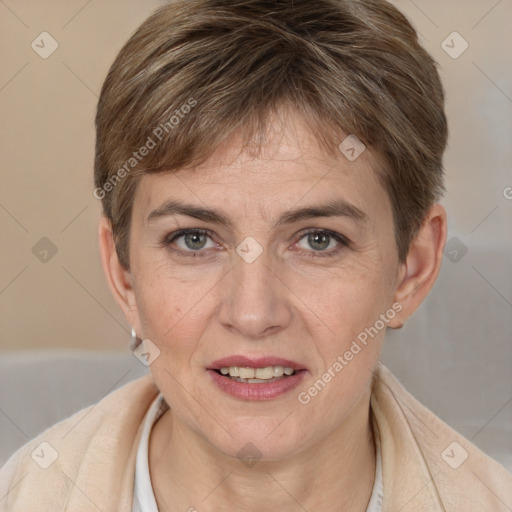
x=421 y=268
x=118 y=278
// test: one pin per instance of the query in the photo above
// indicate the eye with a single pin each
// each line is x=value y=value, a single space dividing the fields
x=190 y=242
x=328 y=243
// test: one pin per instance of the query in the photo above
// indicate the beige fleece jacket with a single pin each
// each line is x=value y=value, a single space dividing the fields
x=427 y=466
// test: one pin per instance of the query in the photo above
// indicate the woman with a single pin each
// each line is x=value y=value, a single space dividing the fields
x=270 y=175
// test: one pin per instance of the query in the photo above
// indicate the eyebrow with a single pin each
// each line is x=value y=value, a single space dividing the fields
x=334 y=208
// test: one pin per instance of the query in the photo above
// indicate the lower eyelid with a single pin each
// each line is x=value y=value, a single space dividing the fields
x=326 y=253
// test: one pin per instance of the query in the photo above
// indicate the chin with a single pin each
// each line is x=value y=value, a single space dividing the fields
x=254 y=439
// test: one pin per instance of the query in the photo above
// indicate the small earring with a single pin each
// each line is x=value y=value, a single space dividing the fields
x=135 y=342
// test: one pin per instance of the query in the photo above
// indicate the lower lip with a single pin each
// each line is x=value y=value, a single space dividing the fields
x=259 y=391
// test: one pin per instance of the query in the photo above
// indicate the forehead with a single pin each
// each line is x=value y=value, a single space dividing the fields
x=286 y=168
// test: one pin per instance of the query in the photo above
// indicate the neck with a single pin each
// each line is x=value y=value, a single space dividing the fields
x=334 y=474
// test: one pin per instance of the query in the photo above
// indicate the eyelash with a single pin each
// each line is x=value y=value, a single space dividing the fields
x=342 y=241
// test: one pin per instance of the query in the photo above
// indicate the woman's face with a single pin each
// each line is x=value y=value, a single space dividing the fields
x=260 y=281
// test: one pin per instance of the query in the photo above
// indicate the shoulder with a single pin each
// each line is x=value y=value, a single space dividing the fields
x=85 y=446
x=428 y=461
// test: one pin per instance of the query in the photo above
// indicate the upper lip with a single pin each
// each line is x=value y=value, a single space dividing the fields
x=259 y=362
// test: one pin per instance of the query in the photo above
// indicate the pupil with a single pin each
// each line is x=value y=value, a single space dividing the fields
x=319 y=240
x=192 y=242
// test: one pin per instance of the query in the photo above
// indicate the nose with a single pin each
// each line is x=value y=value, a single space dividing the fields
x=255 y=302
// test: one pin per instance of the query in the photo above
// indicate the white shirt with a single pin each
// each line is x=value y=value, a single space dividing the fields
x=144 y=498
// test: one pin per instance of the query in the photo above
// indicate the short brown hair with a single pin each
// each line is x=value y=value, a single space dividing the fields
x=197 y=70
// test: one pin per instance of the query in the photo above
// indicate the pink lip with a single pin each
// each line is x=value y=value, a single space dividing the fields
x=260 y=362
x=258 y=391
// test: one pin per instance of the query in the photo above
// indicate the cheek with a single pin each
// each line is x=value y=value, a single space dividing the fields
x=344 y=300
x=169 y=309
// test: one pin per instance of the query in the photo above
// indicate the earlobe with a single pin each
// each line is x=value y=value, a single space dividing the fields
x=118 y=278
x=420 y=270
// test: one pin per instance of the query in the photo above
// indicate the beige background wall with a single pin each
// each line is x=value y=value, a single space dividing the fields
x=47 y=111
x=459 y=341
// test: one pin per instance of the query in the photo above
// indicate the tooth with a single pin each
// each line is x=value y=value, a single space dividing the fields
x=264 y=373
x=278 y=371
x=261 y=374
x=246 y=373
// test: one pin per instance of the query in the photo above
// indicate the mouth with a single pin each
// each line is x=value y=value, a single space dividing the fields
x=256 y=379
